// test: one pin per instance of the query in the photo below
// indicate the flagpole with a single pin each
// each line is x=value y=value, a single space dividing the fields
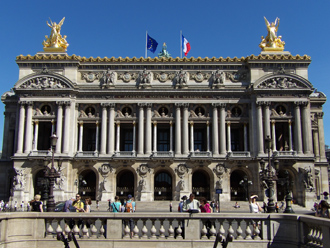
x=181 y=44
x=145 y=56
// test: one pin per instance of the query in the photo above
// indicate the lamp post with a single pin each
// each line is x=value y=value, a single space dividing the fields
x=269 y=176
x=52 y=174
x=245 y=183
x=288 y=198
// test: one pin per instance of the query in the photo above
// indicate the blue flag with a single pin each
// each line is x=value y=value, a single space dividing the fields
x=152 y=44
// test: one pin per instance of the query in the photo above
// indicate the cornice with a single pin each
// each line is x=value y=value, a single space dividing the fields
x=59 y=57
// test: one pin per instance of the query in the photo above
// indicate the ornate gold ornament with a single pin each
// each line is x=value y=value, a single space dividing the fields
x=55 y=42
x=272 y=42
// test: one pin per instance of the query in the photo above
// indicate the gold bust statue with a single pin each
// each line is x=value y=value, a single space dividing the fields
x=55 y=42
x=272 y=42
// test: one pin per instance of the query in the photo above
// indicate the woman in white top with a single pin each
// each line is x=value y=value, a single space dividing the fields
x=254 y=205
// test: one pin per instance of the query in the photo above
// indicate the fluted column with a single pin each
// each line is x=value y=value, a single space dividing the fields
x=59 y=124
x=191 y=136
x=141 y=130
x=21 y=127
x=215 y=136
x=316 y=144
x=266 y=119
x=155 y=136
x=28 y=134
x=306 y=128
x=290 y=135
x=53 y=127
x=104 y=128
x=118 y=136
x=111 y=134
x=260 y=130
x=321 y=135
x=171 y=136
x=35 y=140
x=208 y=136
x=177 y=129
x=148 y=134
x=245 y=137
x=222 y=129
x=273 y=135
x=66 y=133
x=185 y=131
x=228 y=137
x=298 y=139
x=81 y=135
x=134 y=136
x=97 y=137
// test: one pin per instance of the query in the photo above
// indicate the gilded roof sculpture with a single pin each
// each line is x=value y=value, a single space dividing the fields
x=272 y=42
x=55 y=42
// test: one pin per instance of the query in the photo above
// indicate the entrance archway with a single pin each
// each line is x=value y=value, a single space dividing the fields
x=40 y=185
x=125 y=184
x=201 y=184
x=239 y=186
x=163 y=186
x=281 y=184
x=87 y=184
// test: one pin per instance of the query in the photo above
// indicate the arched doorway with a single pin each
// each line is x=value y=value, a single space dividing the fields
x=125 y=184
x=41 y=185
x=284 y=177
x=163 y=186
x=201 y=184
x=239 y=186
x=87 y=184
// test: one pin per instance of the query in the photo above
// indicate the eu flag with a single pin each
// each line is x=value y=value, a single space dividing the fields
x=152 y=44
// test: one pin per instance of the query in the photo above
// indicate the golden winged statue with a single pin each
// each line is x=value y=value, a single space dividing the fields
x=272 y=42
x=55 y=42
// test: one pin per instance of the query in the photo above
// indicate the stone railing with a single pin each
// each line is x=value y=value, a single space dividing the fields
x=163 y=229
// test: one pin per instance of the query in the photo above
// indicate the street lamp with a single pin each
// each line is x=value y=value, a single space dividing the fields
x=245 y=183
x=288 y=198
x=51 y=174
x=268 y=175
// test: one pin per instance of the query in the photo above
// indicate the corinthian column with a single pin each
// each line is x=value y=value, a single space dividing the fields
x=306 y=128
x=21 y=127
x=104 y=128
x=35 y=140
x=66 y=133
x=260 y=130
x=111 y=135
x=185 y=134
x=141 y=130
x=222 y=129
x=59 y=124
x=297 y=119
x=228 y=137
x=215 y=138
x=191 y=136
x=148 y=135
x=177 y=129
x=28 y=134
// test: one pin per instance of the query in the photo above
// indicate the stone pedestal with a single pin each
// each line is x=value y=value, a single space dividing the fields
x=146 y=196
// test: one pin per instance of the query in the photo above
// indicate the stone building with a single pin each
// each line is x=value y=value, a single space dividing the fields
x=160 y=128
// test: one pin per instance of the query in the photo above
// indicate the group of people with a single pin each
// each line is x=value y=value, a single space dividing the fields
x=125 y=206
x=322 y=209
x=78 y=205
x=256 y=208
x=192 y=205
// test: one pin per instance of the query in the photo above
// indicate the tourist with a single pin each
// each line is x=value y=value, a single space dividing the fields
x=323 y=209
x=68 y=205
x=276 y=207
x=78 y=204
x=15 y=206
x=254 y=205
x=183 y=199
x=130 y=208
x=97 y=205
x=28 y=207
x=191 y=205
x=213 y=206
x=171 y=206
x=116 y=205
x=88 y=203
x=109 y=204
x=237 y=205
x=36 y=204
x=204 y=206
x=22 y=206
x=264 y=207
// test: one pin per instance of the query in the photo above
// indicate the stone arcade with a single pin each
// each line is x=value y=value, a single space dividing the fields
x=160 y=128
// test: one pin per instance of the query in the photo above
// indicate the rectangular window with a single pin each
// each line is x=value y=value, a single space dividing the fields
x=200 y=140
x=163 y=140
x=127 y=140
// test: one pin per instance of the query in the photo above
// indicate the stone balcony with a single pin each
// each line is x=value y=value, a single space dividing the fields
x=164 y=229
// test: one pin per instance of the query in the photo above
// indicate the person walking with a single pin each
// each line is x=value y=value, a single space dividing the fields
x=116 y=205
x=191 y=205
x=171 y=206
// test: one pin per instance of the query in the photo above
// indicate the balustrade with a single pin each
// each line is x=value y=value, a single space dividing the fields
x=259 y=229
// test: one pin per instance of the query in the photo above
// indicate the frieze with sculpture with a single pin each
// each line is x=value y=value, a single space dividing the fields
x=108 y=79
x=145 y=78
x=307 y=178
x=143 y=170
x=181 y=79
x=90 y=77
x=43 y=82
x=219 y=171
x=281 y=83
x=19 y=180
x=127 y=77
x=181 y=170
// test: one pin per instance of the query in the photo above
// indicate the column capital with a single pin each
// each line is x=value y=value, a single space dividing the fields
x=105 y=104
x=266 y=103
x=81 y=123
x=228 y=123
x=298 y=103
x=97 y=123
x=191 y=123
x=36 y=121
x=216 y=104
x=181 y=104
x=60 y=103
x=141 y=105
x=320 y=115
x=118 y=123
x=155 y=123
x=67 y=103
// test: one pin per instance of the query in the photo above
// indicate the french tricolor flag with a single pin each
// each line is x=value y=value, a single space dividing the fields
x=185 y=46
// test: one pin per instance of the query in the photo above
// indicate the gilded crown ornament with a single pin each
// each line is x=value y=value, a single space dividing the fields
x=55 y=42
x=272 y=42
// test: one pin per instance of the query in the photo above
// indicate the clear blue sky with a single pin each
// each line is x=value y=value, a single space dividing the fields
x=213 y=28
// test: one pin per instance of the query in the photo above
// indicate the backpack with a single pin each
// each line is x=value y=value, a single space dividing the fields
x=129 y=207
